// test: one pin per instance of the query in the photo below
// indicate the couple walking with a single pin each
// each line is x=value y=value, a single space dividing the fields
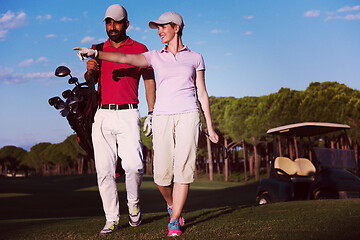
x=173 y=118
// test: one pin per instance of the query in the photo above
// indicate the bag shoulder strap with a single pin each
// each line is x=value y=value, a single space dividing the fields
x=98 y=47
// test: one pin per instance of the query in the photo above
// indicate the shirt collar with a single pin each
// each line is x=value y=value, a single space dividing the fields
x=164 y=49
x=128 y=42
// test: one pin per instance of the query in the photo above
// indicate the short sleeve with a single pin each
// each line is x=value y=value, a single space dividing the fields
x=200 y=66
x=149 y=56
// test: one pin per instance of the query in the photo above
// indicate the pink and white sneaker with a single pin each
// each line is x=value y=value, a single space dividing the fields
x=174 y=228
x=181 y=219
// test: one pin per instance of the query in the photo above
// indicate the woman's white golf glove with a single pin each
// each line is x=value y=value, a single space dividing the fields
x=85 y=53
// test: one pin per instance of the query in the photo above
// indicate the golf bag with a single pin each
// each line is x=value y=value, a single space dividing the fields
x=79 y=108
x=81 y=121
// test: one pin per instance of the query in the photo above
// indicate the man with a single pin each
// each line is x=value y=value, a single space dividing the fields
x=116 y=128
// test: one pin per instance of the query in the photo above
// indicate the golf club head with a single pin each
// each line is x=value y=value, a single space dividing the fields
x=74 y=80
x=60 y=104
x=64 y=112
x=54 y=100
x=67 y=93
x=62 y=71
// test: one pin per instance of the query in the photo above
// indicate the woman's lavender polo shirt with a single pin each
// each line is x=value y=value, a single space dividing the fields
x=175 y=80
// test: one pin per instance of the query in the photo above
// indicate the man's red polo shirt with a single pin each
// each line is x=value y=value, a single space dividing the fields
x=119 y=83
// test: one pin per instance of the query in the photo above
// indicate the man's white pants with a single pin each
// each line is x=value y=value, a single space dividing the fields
x=117 y=133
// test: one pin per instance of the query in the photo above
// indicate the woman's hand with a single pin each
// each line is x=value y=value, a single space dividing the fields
x=85 y=53
x=213 y=135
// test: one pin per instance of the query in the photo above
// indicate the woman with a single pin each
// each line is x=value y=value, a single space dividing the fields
x=180 y=82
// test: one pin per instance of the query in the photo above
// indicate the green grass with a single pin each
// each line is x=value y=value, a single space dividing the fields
x=69 y=207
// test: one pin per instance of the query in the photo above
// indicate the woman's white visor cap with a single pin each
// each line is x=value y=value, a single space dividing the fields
x=168 y=17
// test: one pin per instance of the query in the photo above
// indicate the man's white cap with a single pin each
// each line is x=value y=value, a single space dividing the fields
x=116 y=12
x=168 y=17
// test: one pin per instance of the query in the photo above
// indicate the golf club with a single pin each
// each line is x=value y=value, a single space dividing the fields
x=67 y=93
x=64 y=112
x=225 y=151
x=53 y=100
x=60 y=104
x=62 y=71
x=57 y=102
x=73 y=80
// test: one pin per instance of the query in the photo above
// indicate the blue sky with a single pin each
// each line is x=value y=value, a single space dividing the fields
x=250 y=47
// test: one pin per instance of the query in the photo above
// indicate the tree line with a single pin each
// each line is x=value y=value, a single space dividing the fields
x=240 y=122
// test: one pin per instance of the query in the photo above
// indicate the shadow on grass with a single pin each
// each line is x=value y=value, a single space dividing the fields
x=206 y=216
x=58 y=197
x=154 y=218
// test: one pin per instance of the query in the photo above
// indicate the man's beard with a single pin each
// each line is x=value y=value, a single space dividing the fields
x=118 y=37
